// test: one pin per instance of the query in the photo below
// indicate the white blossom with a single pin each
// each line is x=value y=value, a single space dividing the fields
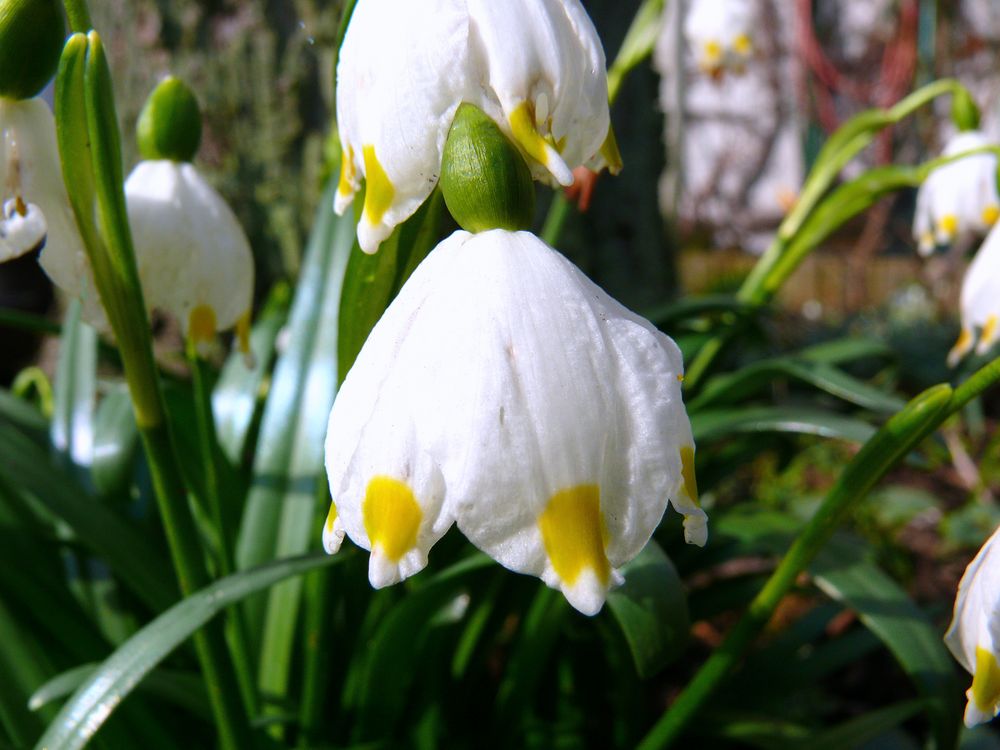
x=504 y=392
x=959 y=198
x=535 y=66
x=980 y=301
x=719 y=34
x=974 y=635
x=193 y=257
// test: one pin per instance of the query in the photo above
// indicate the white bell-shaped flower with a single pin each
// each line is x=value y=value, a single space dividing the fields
x=958 y=198
x=980 y=301
x=719 y=35
x=974 y=635
x=193 y=257
x=504 y=392
x=34 y=205
x=535 y=66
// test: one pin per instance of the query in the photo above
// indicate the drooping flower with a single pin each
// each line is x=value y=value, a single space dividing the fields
x=718 y=32
x=193 y=257
x=35 y=206
x=535 y=66
x=974 y=635
x=980 y=301
x=504 y=392
x=958 y=198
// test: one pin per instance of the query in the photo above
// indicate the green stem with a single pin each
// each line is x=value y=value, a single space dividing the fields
x=89 y=144
x=773 y=267
x=901 y=434
x=559 y=211
x=78 y=16
x=211 y=458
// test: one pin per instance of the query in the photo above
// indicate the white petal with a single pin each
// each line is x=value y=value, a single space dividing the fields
x=20 y=233
x=191 y=251
x=974 y=633
x=29 y=161
x=980 y=300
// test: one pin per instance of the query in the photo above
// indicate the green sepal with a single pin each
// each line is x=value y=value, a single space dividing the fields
x=32 y=33
x=484 y=180
x=964 y=112
x=169 y=126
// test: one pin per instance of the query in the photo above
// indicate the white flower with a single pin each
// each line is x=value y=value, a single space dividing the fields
x=980 y=300
x=974 y=635
x=193 y=257
x=504 y=392
x=718 y=32
x=34 y=206
x=960 y=197
x=535 y=66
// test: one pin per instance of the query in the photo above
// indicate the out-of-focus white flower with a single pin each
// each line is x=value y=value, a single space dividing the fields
x=974 y=635
x=718 y=32
x=193 y=257
x=980 y=301
x=504 y=392
x=535 y=66
x=34 y=206
x=960 y=197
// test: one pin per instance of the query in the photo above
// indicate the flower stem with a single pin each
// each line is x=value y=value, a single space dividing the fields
x=881 y=453
x=87 y=130
x=78 y=16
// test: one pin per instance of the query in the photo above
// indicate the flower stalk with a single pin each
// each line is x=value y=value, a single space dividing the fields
x=91 y=156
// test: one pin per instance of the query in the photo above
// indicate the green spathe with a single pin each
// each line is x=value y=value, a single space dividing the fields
x=484 y=180
x=32 y=33
x=169 y=125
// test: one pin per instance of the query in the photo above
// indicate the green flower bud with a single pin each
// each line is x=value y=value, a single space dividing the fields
x=964 y=112
x=484 y=180
x=32 y=33
x=169 y=125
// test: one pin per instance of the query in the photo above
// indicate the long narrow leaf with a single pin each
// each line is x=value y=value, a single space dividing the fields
x=97 y=698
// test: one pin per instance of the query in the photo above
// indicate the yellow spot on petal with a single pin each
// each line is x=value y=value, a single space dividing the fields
x=948 y=224
x=345 y=186
x=680 y=377
x=687 y=473
x=574 y=534
x=961 y=346
x=712 y=51
x=331 y=517
x=379 y=190
x=989 y=331
x=742 y=45
x=990 y=214
x=927 y=239
x=201 y=324
x=610 y=152
x=985 y=691
x=20 y=206
x=522 y=124
x=391 y=516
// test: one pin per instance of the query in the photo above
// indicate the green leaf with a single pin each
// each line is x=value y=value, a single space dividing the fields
x=864 y=728
x=885 y=609
x=372 y=281
x=738 y=386
x=696 y=307
x=139 y=564
x=119 y=674
x=281 y=514
x=22 y=415
x=651 y=610
x=116 y=438
x=237 y=393
x=715 y=424
x=75 y=387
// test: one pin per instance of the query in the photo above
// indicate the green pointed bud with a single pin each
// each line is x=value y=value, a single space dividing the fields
x=964 y=112
x=32 y=33
x=169 y=125
x=484 y=180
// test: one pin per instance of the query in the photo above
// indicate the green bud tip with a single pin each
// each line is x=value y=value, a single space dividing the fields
x=964 y=112
x=169 y=125
x=484 y=180
x=32 y=33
